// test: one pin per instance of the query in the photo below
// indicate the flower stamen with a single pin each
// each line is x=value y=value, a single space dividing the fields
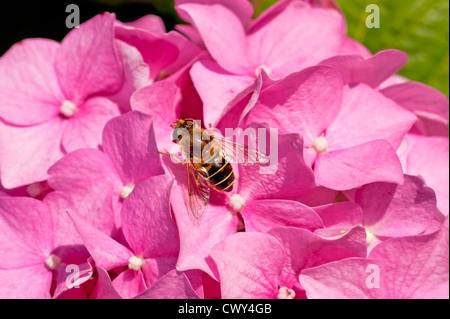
x=68 y=108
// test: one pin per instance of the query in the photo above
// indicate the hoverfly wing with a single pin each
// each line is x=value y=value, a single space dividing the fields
x=197 y=191
x=239 y=153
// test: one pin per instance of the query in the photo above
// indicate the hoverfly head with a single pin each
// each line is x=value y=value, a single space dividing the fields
x=181 y=129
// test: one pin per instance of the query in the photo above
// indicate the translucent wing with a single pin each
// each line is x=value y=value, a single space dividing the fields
x=239 y=153
x=198 y=192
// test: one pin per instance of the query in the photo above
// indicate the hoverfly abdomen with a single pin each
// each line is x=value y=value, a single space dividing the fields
x=221 y=178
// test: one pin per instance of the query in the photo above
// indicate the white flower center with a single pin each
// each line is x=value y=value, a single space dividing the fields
x=285 y=293
x=126 y=190
x=68 y=108
x=35 y=189
x=52 y=262
x=236 y=202
x=369 y=237
x=320 y=145
x=136 y=263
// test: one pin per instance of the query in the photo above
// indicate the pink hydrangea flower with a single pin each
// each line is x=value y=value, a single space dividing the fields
x=352 y=203
x=385 y=210
x=32 y=257
x=173 y=285
x=428 y=158
x=266 y=266
x=309 y=35
x=149 y=232
x=93 y=183
x=413 y=267
x=430 y=106
x=52 y=98
x=339 y=138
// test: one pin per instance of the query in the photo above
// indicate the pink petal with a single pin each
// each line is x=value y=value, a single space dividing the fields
x=339 y=216
x=173 y=285
x=29 y=90
x=431 y=125
x=428 y=157
x=281 y=178
x=350 y=46
x=94 y=66
x=151 y=23
x=146 y=220
x=129 y=283
x=371 y=71
x=414 y=267
x=104 y=288
x=32 y=282
x=295 y=38
x=83 y=183
x=241 y=8
x=217 y=88
x=422 y=272
x=86 y=127
x=352 y=167
x=421 y=99
x=235 y=111
x=26 y=232
x=249 y=265
x=188 y=52
x=196 y=240
x=305 y=249
x=129 y=141
x=106 y=252
x=157 y=267
x=397 y=210
x=157 y=52
x=72 y=278
x=343 y=279
x=317 y=196
x=136 y=74
x=311 y=99
x=222 y=33
x=156 y=99
x=352 y=126
x=263 y=215
x=38 y=146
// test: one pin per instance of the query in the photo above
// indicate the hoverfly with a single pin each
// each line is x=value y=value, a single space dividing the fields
x=208 y=161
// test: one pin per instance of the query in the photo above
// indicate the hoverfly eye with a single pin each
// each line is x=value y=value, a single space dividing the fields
x=177 y=136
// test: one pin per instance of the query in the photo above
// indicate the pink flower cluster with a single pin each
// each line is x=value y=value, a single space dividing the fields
x=357 y=208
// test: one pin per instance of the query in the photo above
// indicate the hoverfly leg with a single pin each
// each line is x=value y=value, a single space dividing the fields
x=172 y=156
x=164 y=153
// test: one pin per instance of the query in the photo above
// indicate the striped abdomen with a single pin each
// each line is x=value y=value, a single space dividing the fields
x=221 y=177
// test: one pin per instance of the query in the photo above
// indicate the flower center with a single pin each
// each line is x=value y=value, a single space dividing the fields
x=236 y=202
x=320 y=145
x=68 y=108
x=369 y=237
x=285 y=293
x=126 y=190
x=136 y=263
x=52 y=262
x=35 y=189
